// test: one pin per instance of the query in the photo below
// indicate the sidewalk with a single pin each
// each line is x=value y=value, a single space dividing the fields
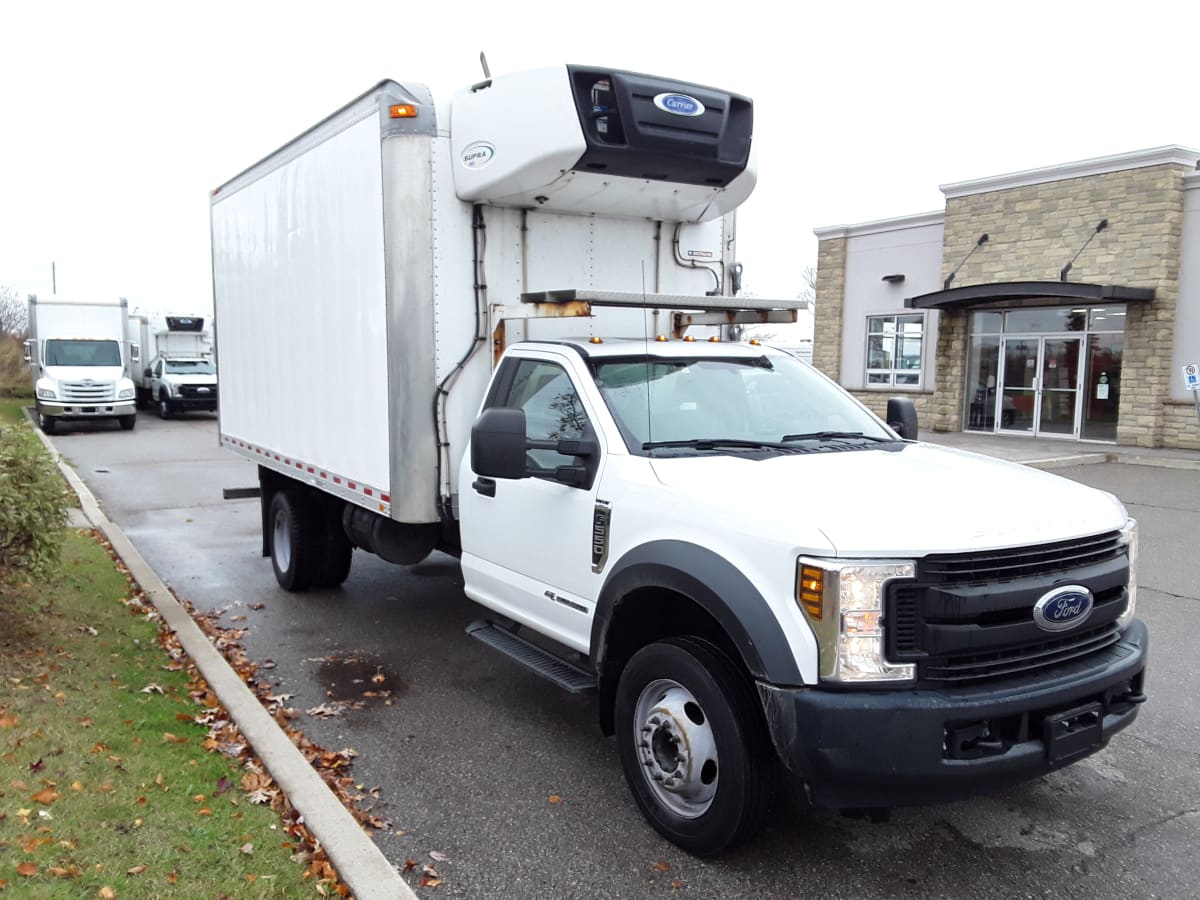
x=1047 y=453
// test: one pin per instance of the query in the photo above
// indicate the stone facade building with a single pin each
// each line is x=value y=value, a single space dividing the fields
x=1056 y=302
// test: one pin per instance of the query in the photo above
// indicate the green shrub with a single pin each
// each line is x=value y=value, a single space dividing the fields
x=15 y=380
x=33 y=507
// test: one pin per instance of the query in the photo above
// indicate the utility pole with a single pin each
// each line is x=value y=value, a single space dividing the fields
x=53 y=279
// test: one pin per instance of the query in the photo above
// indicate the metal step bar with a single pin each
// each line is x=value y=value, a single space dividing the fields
x=568 y=676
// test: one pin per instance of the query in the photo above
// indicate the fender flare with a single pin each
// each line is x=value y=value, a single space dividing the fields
x=713 y=583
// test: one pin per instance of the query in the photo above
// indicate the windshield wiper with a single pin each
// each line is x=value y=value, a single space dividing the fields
x=836 y=436
x=716 y=443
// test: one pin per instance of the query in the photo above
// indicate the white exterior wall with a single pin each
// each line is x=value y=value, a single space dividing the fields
x=907 y=247
x=301 y=308
x=1187 y=312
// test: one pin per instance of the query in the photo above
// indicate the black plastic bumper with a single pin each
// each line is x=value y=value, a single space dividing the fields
x=190 y=404
x=864 y=748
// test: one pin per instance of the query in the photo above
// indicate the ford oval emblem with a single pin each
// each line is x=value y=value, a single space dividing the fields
x=1063 y=608
x=679 y=104
x=478 y=155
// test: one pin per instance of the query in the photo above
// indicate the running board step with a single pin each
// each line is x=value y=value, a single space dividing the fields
x=568 y=676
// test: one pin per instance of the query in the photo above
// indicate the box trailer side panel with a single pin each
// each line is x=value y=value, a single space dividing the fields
x=299 y=279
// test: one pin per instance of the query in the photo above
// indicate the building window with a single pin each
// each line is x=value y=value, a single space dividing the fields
x=894 y=350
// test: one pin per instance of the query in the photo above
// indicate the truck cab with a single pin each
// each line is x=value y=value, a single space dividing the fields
x=711 y=533
x=79 y=357
x=177 y=384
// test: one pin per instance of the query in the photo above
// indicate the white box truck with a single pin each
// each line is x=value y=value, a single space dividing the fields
x=80 y=357
x=490 y=325
x=180 y=373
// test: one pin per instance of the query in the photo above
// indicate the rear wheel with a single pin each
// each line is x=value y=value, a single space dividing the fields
x=127 y=422
x=336 y=554
x=693 y=745
x=296 y=539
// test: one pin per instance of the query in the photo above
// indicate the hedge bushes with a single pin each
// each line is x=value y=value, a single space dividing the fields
x=33 y=507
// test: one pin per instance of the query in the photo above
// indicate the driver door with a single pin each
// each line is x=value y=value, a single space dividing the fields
x=527 y=543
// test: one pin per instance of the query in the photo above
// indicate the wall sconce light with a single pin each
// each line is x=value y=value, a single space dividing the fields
x=897 y=278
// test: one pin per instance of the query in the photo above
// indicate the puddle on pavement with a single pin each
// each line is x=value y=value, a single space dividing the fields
x=357 y=679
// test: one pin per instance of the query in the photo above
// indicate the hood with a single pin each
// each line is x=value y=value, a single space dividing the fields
x=914 y=501
x=83 y=373
x=172 y=378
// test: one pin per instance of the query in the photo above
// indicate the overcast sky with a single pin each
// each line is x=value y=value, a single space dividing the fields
x=118 y=118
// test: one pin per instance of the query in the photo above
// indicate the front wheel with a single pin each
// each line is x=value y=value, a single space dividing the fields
x=693 y=745
x=127 y=422
x=48 y=424
x=164 y=407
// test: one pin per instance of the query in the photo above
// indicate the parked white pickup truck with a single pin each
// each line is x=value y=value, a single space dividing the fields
x=176 y=384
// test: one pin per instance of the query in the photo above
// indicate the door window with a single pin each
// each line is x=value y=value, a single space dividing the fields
x=553 y=410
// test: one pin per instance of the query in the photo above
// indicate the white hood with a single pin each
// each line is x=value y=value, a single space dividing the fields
x=910 y=502
x=172 y=378
x=83 y=373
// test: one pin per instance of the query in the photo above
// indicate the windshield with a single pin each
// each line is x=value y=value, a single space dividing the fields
x=773 y=400
x=82 y=353
x=190 y=367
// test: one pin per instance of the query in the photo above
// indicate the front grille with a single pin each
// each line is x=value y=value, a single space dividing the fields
x=969 y=617
x=194 y=390
x=89 y=392
x=1021 y=562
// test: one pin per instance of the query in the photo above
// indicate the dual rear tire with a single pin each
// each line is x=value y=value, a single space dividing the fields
x=309 y=549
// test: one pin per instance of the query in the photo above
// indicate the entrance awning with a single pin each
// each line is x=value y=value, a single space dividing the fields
x=1017 y=294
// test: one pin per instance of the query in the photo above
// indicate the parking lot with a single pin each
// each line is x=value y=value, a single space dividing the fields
x=511 y=781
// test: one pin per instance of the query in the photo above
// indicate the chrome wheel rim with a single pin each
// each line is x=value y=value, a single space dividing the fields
x=676 y=748
x=281 y=542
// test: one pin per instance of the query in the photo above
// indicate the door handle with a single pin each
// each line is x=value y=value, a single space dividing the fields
x=485 y=486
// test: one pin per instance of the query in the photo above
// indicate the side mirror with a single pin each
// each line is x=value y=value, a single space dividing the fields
x=902 y=417
x=498 y=443
x=29 y=351
x=148 y=372
x=135 y=353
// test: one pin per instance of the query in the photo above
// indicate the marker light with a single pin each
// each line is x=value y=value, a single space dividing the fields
x=402 y=111
x=689 y=338
x=662 y=338
x=755 y=342
x=812 y=585
x=596 y=340
x=714 y=340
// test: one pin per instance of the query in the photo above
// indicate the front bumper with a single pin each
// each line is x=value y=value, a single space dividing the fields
x=187 y=404
x=61 y=410
x=862 y=748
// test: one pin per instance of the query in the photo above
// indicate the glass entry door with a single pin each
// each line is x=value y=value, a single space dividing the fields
x=1040 y=386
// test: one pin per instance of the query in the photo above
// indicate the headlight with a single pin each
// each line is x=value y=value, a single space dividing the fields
x=1129 y=538
x=126 y=394
x=46 y=394
x=843 y=602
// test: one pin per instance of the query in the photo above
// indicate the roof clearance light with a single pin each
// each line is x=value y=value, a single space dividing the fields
x=714 y=340
x=596 y=340
x=662 y=338
x=689 y=338
x=402 y=111
x=755 y=342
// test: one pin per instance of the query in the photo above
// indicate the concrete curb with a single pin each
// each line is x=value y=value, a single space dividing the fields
x=358 y=860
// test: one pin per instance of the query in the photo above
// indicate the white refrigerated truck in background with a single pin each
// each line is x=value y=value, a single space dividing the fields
x=178 y=373
x=80 y=358
x=491 y=325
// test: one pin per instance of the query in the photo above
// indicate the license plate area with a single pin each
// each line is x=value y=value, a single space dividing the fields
x=1073 y=732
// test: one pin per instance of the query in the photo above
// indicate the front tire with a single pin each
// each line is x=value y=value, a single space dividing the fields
x=693 y=745
x=48 y=424
x=164 y=407
x=127 y=422
x=295 y=539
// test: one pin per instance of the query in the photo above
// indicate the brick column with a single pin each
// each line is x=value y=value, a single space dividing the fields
x=831 y=295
